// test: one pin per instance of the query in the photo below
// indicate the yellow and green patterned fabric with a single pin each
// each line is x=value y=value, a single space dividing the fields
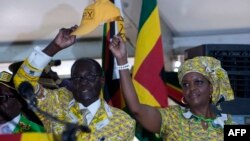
x=25 y=125
x=178 y=124
x=60 y=103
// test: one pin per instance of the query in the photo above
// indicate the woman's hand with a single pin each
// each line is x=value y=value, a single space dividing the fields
x=119 y=50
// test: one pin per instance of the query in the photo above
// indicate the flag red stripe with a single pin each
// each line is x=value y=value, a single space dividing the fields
x=173 y=93
x=116 y=99
x=10 y=137
x=146 y=75
x=107 y=52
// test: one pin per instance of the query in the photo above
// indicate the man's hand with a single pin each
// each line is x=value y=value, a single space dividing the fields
x=63 y=39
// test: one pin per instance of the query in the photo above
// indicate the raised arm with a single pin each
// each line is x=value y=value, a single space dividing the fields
x=33 y=66
x=148 y=116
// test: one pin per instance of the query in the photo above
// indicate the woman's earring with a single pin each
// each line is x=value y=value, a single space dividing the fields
x=210 y=98
x=183 y=101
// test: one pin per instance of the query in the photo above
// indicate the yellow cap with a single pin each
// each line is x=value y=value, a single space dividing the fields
x=99 y=12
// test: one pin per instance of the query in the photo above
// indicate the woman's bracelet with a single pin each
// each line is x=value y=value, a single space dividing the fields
x=123 y=67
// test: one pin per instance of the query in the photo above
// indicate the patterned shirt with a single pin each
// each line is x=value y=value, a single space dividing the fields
x=178 y=124
x=25 y=125
x=109 y=123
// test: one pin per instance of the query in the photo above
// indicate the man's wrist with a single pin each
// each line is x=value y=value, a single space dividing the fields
x=51 y=49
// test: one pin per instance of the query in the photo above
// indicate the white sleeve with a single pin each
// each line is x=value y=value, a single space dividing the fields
x=39 y=59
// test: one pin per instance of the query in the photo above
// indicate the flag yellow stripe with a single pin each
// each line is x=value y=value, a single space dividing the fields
x=37 y=137
x=145 y=97
x=147 y=38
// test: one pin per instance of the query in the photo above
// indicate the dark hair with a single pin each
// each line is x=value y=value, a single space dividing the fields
x=96 y=65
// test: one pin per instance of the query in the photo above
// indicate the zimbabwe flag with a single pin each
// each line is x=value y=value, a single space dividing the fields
x=173 y=87
x=148 y=63
x=112 y=91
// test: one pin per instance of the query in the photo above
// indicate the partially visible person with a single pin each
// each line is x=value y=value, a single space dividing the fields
x=12 y=116
x=83 y=105
x=204 y=83
x=49 y=78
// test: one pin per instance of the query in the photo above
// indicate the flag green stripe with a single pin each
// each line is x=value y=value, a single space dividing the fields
x=104 y=36
x=147 y=8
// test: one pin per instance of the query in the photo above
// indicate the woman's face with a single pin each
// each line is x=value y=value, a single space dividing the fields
x=196 y=89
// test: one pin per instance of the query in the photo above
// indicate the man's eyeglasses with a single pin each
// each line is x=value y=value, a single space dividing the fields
x=5 y=98
x=90 y=77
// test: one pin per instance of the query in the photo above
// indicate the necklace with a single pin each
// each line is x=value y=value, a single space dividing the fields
x=203 y=118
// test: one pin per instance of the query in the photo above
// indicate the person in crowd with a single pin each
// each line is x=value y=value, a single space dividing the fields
x=49 y=78
x=52 y=79
x=204 y=83
x=83 y=105
x=12 y=115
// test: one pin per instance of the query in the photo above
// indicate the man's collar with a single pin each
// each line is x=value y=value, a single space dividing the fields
x=92 y=107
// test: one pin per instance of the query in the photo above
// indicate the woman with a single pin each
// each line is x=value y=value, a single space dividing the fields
x=204 y=83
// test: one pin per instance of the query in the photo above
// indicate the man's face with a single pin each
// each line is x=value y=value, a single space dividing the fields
x=87 y=82
x=10 y=107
